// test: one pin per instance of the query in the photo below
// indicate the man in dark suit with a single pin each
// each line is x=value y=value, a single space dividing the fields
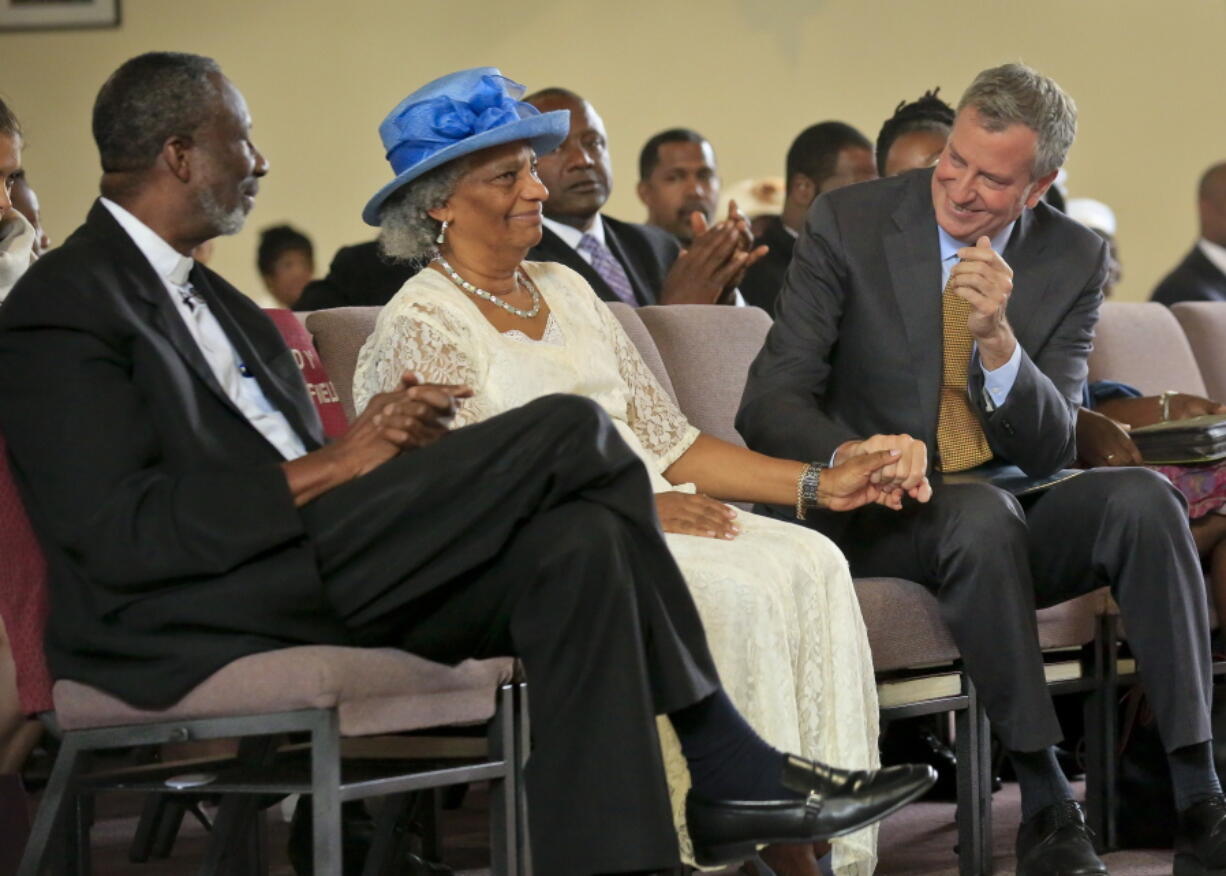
x=171 y=462
x=358 y=276
x=822 y=158
x=1201 y=276
x=867 y=352
x=624 y=261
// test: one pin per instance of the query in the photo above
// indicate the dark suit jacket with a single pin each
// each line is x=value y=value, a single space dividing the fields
x=764 y=278
x=1194 y=279
x=856 y=344
x=172 y=540
x=358 y=276
x=646 y=252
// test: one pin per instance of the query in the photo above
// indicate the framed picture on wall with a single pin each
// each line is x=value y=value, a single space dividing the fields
x=44 y=14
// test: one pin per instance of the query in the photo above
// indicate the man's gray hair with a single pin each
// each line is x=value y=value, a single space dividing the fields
x=407 y=230
x=1015 y=94
x=148 y=100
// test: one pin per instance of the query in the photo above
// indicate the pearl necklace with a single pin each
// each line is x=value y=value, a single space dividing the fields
x=520 y=277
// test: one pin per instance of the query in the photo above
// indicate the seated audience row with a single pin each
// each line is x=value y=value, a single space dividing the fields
x=917 y=405
x=193 y=479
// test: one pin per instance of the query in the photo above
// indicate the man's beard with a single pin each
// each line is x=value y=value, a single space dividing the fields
x=223 y=221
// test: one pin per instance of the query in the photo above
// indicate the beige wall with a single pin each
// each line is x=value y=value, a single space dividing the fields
x=320 y=74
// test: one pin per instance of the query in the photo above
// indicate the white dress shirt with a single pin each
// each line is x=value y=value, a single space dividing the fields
x=1214 y=252
x=235 y=378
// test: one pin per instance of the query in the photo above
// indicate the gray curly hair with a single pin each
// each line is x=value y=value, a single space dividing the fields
x=406 y=228
x=1016 y=94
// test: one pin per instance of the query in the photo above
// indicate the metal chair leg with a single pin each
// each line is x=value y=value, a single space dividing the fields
x=58 y=797
x=325 y=795
x=974 y=753
x=523 y=745
x=504 y=821
x=1101 y=735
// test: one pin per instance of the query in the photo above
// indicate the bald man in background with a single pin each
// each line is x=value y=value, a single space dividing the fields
x=1201 y=276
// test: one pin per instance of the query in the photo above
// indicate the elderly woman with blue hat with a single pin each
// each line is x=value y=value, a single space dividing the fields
x=776 y=600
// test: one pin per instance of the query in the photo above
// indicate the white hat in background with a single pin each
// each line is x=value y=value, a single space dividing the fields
x=1092 y=214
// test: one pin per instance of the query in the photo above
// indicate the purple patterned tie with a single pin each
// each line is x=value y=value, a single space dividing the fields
x=609 y=268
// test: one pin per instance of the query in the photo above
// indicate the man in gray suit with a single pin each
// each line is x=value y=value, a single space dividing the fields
x=868 y=353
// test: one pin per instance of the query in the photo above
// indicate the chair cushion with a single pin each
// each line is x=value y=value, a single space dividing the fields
x=1204 y=323
x=375 y=690
x=637 y=332
x=1071 y=623
x=339 y=333
x=904 y=624
x=1141 y=344
x=708 y=349
x=319 y=387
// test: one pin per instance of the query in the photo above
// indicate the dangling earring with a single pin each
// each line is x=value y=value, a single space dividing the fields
x=442 y=233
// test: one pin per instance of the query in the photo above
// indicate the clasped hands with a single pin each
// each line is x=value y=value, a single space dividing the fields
x=412 y=415
x=984 y=280
x=714 y=264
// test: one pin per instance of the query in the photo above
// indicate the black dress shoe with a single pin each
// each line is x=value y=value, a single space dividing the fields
x=1200 y=839
x=1056 y=842
x=836 y=802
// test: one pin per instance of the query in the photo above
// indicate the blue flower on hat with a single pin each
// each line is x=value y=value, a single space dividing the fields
x=456 y=115
x=433 y=124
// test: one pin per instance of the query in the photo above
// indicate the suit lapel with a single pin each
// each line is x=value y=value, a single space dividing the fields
x=621 y=250
x=148 y=286
x=255 y=358
x=1032 y=278
x=913 y=255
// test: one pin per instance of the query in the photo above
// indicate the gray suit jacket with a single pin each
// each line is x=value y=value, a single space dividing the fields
x=855 y=349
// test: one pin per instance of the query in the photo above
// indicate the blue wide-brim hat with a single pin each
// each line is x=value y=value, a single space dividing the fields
x=455 y=115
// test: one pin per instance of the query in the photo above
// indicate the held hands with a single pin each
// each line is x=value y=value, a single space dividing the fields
x=985 y=281
x=690 y=514
x=890 y=466
x=714 y=263
x=1103 y=441
x=413 y=415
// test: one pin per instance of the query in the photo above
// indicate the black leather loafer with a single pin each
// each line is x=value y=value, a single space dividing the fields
x=835 y=802
x=1056 y=842
x=1200 y=839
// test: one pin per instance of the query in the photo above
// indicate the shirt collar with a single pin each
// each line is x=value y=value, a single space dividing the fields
x=950 y=245
x=1214 y=252
x=571 y=235
x=171 y=265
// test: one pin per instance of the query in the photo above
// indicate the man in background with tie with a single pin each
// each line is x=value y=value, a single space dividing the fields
x=949 y=314
x=623 y=261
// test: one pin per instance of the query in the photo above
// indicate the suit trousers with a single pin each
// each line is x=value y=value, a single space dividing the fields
x=533 y=534
x=991 y=559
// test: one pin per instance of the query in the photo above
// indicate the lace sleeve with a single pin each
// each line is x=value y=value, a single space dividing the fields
x=432 y=346
x=655 y=418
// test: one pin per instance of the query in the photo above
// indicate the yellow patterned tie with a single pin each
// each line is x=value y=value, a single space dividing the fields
x=961 y=443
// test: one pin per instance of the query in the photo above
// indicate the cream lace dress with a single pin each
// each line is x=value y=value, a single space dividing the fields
x=777 y=602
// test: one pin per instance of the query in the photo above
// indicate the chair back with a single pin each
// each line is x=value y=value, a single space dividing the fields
x=339 y=333
x=1141 y=344
x=708 y=349
x=23 y=595
x=629 y=318
x=321 y=390
x=1204 y=323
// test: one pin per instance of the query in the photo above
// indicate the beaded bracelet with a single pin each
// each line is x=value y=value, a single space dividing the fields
x=806 y=488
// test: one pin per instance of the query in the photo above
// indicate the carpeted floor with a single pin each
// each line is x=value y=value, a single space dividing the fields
x=918 y=841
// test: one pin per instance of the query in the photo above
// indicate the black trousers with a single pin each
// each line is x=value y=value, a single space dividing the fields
x=534 y=535
x=991 y=559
